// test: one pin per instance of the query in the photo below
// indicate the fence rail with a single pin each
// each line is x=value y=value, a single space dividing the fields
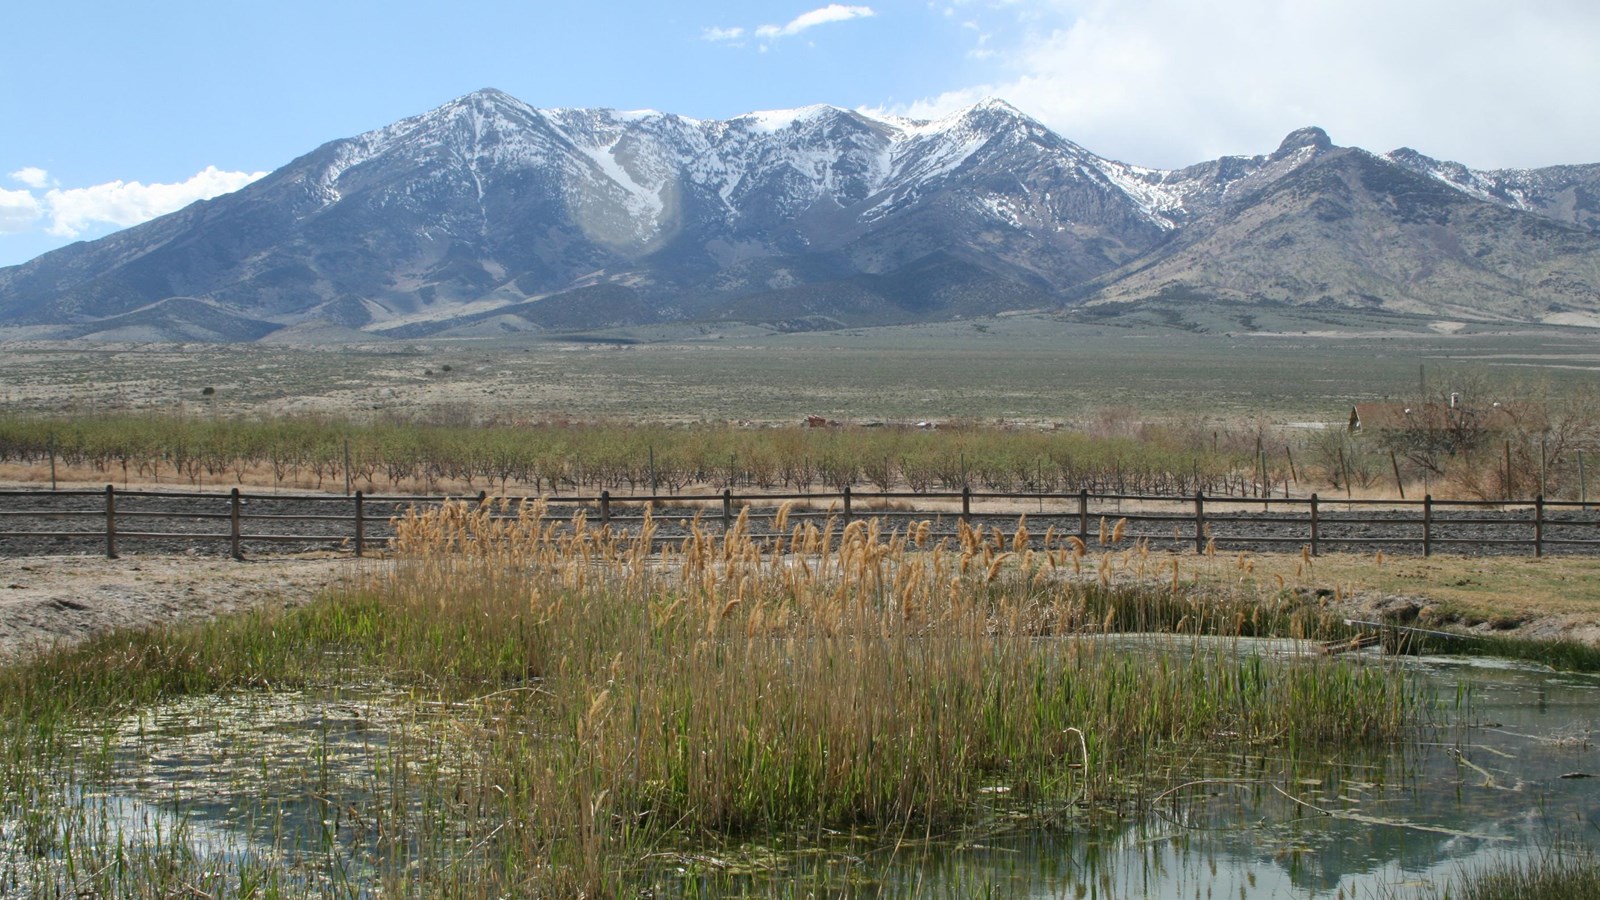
x=358 y=523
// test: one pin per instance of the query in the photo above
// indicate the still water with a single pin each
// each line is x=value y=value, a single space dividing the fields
x=1509 y=770
x=1518 y=773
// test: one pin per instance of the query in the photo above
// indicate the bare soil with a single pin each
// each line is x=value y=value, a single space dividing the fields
x=50 y=601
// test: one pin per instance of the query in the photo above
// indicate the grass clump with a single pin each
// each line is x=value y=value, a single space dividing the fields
x=1550 y=877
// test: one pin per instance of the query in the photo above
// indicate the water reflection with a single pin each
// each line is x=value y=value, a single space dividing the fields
x=295 y=778
x=1511 y=778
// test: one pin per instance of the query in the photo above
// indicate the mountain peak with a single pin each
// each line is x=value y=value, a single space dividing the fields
x=995 y=103
x=486 y=100
x=990 y=107
x=1310 y=137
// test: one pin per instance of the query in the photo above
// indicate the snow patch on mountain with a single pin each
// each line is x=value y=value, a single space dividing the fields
x=1160 y=202
x=775 y=120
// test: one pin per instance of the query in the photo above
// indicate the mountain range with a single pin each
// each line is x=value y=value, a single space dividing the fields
x=486 y=216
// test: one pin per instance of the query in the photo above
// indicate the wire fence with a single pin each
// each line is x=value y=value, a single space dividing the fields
x=37 y=522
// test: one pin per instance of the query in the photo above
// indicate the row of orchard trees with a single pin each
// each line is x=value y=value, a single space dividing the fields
x=551 y=458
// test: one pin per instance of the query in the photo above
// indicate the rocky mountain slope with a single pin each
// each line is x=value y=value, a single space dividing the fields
x=487 y=215
x=1340 y=227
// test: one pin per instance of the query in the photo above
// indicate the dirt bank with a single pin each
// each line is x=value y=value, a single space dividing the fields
x=61 y=600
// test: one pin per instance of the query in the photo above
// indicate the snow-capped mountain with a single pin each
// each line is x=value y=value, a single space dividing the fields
x=487 y=215
x=1569 y=194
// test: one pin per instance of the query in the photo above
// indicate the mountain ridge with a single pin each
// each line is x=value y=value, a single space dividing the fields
x=487 y=209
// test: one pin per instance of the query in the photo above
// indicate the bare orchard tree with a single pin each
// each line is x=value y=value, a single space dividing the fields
x=1457 y=419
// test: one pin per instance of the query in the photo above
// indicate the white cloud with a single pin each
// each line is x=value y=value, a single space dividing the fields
x=32 y=176
x=833 y=12
x=1173 y=82
x=121 y=203
x=722 y=34
x=18 y=211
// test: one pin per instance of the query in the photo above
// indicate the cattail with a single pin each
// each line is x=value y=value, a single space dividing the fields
x=1118 y=530
x=995 y=566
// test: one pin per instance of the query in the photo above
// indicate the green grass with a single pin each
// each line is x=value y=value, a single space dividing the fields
x=1550 y=877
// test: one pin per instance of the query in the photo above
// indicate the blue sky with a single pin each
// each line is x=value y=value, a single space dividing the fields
x=113 y=112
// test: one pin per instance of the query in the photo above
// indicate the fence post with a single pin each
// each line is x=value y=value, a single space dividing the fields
x=847 y=509
x=1399 y=486
x=727 y=509
x=361 y=523
x=111 y=522
x=1083 y=515
x=1316 y=523
x=966 y=503
x=1199 y=522
x=233 y=524
x=1538 y=525
x=605 y=507
x=1427 y=524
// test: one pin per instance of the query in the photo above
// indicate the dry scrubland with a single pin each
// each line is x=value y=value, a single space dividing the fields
x=1283 y=382
x=1026 y=369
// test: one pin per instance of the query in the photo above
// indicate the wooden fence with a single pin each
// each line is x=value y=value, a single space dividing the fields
x=176 y=521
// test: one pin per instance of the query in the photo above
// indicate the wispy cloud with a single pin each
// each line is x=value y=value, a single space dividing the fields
x=18 y=211
x=32 y=176
x=122 y=203
x=833 y=12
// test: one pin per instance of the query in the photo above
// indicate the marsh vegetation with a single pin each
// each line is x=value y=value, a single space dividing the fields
x=531 y=711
